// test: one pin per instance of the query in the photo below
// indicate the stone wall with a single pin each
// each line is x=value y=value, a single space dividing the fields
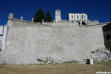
x=28 y=42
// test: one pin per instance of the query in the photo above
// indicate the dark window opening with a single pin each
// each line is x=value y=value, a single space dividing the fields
x=87 y=61
x=84 y=23
x=82 y=17
x=1 y=34
x=108 y=37
x=77 y=16
x=72 y=17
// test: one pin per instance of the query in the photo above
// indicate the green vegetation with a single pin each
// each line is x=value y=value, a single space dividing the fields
x=48 y=17
x=39 y=16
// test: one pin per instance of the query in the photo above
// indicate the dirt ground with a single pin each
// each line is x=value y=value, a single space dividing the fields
x=66 y=68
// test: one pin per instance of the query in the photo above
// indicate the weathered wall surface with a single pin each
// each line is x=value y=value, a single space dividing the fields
x=61 y=41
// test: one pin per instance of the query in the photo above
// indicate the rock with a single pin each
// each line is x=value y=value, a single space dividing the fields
x=101 y=55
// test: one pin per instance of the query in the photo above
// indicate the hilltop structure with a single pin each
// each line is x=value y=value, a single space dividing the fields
x=26 y=42
x=58 y=15
x=78 y=16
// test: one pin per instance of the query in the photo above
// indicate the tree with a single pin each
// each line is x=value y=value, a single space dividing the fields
x=48 y=17
x=39 y=16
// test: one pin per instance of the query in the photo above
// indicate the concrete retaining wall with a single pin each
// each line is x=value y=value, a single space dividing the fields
x=61 y=42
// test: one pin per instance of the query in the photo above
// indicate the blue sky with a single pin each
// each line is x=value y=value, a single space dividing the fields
x=96 y=9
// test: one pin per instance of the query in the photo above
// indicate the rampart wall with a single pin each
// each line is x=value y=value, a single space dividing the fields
x=26 y=42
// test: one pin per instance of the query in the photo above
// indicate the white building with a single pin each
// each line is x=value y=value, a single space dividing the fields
x=58 y=15
x=78 y=16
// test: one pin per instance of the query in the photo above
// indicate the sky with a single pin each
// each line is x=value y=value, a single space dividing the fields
x=95 y=9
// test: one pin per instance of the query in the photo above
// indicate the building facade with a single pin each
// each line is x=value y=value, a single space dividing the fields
x=78 y=16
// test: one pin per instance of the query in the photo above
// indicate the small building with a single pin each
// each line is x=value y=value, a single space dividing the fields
x=78 y=16
x=57 y=15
